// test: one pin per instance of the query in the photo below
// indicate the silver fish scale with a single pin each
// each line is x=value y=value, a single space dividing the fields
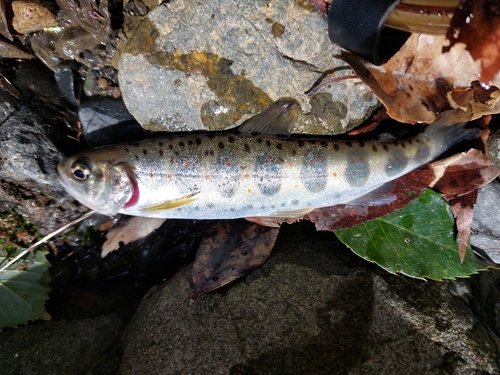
x=230 y=176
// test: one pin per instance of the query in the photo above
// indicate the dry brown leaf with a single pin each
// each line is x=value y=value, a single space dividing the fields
x=476 y=23
x=463 y=210
x=230 y=251
x=133 y=229
x=420 y=82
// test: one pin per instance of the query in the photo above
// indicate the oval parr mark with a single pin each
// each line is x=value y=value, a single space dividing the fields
x=187 y=172
x=423 y=153
x=396 y=162
x=357 y=169
x=313 y=173
x=227 y=173
x=268 y=173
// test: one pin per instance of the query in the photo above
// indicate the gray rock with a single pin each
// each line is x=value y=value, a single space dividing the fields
x=485 y=226
x=28 y=155
x=206 y=65
x=60 y=347
x=313 y=308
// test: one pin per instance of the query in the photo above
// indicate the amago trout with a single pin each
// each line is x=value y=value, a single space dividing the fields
x=244 y=173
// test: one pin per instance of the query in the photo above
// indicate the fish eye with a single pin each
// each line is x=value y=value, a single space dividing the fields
x=80 y=170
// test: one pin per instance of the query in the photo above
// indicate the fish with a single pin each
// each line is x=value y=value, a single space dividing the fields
x=255 y=170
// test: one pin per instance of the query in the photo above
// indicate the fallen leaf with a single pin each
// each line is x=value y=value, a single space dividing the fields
x=133 y=229
x=404 y=189
x=230 y=251
x=463 y=211
x=419 y=82
x=416 y=241
x=476 y=23
x=462 y=173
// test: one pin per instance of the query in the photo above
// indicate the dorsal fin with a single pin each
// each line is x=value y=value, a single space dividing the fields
x=278 y=120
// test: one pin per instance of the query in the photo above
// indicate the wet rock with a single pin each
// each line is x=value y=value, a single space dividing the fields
x=486 y=226
x=29 y=130
x=65 y=79
x=106 y=121
x=207 y=65
x=314 y=307
x=60 y=347
x=30 y=16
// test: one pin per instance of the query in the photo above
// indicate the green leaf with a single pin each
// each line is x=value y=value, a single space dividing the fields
x=417 y=241
x=24 y=288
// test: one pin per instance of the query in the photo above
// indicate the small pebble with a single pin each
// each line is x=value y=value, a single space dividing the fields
x=87 y=55
x=108 y=72
x=142 y=9
x=102 y=83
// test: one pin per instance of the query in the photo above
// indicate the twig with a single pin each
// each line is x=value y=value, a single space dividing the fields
x=47 y=237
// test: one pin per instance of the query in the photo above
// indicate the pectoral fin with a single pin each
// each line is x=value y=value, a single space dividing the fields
x=167 y=205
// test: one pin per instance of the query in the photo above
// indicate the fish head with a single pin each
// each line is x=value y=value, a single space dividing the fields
x=102 y=180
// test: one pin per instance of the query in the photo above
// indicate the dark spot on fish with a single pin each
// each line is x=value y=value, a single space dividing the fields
x=268 y=143
x=181 y=144
x=176 y=153
x=348 y=144
x=403 y=145
x=99 y=176
x=300 y=143
x=170 y=147
x=145 y=152
x=374 y=148
x=205 y=153
x=312 y=141
x=279 y=146
x=423 y=154
x=211 y=205
x=248 y=206
x=247 y=147
x=385 y=147
x=395 y=143
x=137 y=144
x=295 y=202
x=212 y=153
x=190 y=142
x=259 y=140
x=361 y=144
x=198 y=141
x=136 y=157
x=126 y=149
x=283 y=204
x=294 y=152
x=396 y=162
x=324 y=143
x=160 y=144
x=417 y=140
x=335 y=147
x=357 y=170
x=160 y=152
x=409 y=141
x=230 y=139
x=211 y=136
x=221 y=145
